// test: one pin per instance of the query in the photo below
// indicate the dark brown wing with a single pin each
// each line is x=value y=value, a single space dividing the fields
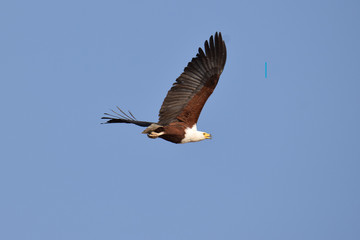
x=189 y=93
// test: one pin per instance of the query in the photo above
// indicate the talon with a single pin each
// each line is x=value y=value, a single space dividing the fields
x=155 y=134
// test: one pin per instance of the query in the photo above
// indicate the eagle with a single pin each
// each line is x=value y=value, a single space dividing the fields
x=183 y=103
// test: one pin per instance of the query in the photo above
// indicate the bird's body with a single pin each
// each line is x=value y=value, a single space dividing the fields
x=178 y=132
x=181 y=108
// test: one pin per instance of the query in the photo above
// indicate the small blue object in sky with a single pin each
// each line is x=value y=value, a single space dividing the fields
x=265 y=69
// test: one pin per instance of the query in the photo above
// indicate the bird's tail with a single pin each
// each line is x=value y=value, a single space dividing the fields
x=122 y=117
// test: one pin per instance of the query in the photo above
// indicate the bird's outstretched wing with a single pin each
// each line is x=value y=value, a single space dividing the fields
x=191 y=90
x=122 y=117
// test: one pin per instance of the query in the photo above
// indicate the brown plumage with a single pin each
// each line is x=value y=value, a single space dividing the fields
x=183 y=103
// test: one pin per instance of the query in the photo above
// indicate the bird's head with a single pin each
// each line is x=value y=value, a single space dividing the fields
x=193 y=135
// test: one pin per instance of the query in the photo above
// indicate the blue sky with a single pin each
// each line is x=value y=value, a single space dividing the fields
x=284 y=159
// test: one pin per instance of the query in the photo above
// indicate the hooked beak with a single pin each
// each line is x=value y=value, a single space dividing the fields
x=207 y=136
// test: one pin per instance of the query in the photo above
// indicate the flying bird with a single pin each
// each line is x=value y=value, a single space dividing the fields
x=183 y=103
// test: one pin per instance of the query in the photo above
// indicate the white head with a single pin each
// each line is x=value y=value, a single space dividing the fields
x=193 y=135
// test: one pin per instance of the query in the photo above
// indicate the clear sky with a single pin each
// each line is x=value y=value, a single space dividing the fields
x=284 y=160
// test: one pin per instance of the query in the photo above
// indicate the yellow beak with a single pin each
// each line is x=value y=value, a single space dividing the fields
x=207 y=136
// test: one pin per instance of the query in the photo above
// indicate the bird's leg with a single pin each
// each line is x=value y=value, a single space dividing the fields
x=155 y=134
